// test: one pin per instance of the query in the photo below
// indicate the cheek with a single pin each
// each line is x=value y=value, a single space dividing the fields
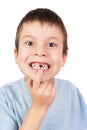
x=58 y=61
x=22 y=56
x=21 y=59
x=56 y=57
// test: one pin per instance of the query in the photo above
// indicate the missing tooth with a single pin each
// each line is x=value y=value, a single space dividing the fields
x=40 y=66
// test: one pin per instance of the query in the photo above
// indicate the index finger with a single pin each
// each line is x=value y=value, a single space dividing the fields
x=37 y=79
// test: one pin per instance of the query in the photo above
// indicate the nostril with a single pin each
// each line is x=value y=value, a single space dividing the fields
x=40 y=54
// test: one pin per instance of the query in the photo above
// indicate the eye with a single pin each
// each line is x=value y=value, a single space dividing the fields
x=29 y=43
x=52 y=44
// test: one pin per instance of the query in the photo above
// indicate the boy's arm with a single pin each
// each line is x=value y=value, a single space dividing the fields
x=42 y=95
x=33 y=119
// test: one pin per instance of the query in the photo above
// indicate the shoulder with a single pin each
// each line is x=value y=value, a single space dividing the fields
x=69 y=91
x=12 y=88
x=65 y=85
x=11 y=85
x=11 y=94
x=72 y=99
x=9 y=97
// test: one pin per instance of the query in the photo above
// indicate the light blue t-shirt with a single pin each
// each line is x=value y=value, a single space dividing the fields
x=67 y=112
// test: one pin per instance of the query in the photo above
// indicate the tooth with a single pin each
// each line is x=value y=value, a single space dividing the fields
x=38 y=66
x=45 y=67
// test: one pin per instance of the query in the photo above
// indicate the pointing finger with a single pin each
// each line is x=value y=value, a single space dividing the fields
x=37 y=79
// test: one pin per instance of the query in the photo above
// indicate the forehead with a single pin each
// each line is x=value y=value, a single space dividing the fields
x=41 y=29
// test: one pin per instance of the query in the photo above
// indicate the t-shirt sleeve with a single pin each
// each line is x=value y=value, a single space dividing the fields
x=7 y=118
x=81 y=110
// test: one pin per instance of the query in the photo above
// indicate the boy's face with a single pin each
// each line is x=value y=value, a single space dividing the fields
x=40 y=47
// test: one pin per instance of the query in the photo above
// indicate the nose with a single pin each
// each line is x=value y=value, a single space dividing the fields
x=40 y=51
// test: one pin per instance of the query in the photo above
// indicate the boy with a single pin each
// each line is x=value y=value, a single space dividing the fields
x=39 y=101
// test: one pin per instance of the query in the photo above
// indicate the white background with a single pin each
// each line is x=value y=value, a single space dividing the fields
x=74 y=15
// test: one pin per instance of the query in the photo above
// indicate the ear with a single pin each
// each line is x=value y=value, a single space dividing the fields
x=16 y=55
x=64 y=58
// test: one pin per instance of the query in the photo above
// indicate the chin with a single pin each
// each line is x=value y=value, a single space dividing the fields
x=46 y=78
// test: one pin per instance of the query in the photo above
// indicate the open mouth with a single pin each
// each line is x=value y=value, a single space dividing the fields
x=38 y=66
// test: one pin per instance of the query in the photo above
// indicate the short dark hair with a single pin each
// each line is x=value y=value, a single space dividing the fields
x=43 y=15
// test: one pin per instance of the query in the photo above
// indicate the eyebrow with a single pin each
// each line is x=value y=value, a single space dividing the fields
x=27 y=36
x=30 y=36
x=53 y=37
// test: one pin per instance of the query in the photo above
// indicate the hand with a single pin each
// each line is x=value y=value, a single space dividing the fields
x=42 y=93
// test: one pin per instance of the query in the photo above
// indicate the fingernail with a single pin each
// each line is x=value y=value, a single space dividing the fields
x=40 y=71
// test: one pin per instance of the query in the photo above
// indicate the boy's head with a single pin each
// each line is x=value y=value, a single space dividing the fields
x=43 y=15
x=41 y=44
